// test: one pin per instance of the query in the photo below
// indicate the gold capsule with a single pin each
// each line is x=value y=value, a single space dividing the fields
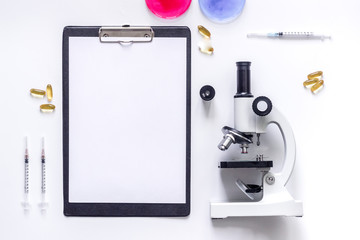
x=47 y=107
x=317 y=74
x=204 y=32
x=207 y=50
x=310 y=82
x=49 y=92
x=37 y=93
x=317 y=87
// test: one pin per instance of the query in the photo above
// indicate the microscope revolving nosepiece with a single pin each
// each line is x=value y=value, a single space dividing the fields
x=231 y=136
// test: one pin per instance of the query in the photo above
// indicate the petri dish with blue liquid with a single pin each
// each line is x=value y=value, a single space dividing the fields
x=221 y=11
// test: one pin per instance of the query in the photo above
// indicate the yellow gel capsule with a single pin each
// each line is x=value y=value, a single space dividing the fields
x=47 y=107
x=207 y=50
x=313 y=75
x=317 y=87
x=37 y=93
x=49 y=92
x=204 y=32
x=310 y=82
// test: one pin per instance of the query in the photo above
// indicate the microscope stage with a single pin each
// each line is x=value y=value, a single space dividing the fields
x=246 y=164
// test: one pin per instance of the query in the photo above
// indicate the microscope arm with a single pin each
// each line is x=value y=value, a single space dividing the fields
x=289 y=142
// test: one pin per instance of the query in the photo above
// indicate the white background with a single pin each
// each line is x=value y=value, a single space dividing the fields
x=325 y=125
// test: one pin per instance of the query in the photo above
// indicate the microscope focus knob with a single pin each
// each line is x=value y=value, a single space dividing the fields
x=262 y=106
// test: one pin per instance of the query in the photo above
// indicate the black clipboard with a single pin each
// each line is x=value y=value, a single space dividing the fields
x=74 y=105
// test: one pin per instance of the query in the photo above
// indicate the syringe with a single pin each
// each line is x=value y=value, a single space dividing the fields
x=290 y=35
x=26 y=203
x=43 y=204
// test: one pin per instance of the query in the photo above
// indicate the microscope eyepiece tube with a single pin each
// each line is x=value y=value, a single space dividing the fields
x=243 y=80
x=244 y=117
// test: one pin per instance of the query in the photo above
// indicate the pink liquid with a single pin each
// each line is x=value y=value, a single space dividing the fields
x=168 y=9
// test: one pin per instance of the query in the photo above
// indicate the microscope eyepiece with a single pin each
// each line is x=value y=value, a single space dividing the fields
x=243 y=80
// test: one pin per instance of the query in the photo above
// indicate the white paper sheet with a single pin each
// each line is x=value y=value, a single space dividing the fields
x=127 y=121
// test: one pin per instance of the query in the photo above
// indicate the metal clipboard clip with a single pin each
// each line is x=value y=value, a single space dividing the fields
x=125 y=34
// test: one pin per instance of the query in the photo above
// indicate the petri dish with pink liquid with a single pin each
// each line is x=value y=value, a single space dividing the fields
x=168 y=9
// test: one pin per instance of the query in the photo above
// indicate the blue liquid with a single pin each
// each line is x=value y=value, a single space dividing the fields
x=221 y=11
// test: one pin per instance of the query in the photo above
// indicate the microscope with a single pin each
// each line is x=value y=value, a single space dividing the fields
x=252 y=116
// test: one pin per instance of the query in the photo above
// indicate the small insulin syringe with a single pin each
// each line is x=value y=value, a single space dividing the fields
x=43 y=205
x=290 y=35
x=26 y=203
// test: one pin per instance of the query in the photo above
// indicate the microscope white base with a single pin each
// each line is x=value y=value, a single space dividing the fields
x=276 y=202
x=289 y=208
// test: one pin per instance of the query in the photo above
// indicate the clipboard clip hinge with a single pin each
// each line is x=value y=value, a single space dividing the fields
x=125 y=34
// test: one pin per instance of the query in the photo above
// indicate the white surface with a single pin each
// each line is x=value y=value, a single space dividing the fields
x=325 y=126
x=127 y=135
